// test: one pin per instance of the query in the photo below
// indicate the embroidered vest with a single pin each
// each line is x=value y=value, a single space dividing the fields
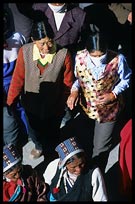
x=91 y=88
x=81 y=190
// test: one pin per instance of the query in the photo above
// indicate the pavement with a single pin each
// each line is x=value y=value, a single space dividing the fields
x=113 y=156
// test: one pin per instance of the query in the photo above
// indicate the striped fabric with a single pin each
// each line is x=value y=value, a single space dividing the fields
x=10 y=157
x=67 y=149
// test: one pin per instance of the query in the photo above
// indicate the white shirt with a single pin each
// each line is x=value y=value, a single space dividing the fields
x=58 y=19
x=97 y=182
x=58 y=14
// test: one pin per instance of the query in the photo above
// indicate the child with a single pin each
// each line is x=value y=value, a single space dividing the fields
x=102 y=78
x=20 y=182
x=70 y=176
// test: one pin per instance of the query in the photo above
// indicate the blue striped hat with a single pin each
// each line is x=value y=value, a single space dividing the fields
x=10 y=157
x=67 y=149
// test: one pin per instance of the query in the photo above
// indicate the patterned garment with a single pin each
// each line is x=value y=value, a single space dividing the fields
x=91 y=87
x=28 y=188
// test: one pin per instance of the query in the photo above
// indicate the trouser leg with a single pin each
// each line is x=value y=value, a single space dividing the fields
x=11 y=130
x=34 y=133
x=102 y=142
x=44 y=133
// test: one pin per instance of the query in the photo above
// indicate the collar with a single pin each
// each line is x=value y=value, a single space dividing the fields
x=36 y=56
x=58 y=9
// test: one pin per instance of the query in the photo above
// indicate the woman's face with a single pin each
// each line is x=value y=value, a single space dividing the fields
x=45 y=45
x=76 y=167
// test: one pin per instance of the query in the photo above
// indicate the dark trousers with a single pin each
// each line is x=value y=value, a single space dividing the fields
x=44 y=132
x=13 y=129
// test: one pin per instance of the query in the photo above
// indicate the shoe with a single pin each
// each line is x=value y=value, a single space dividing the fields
x=35 y=154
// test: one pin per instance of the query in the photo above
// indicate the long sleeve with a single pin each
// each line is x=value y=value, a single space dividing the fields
x=99 y=189
x=124 y=73
x=75 y=86
x=68 y=74
x=17 y=81
x=50 y=171
x=10 y=54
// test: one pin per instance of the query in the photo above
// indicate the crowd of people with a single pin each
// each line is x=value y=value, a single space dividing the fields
x=64 y=59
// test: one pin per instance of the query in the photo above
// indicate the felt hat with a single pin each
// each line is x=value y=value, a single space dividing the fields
x=10 y=157
x=67 y=149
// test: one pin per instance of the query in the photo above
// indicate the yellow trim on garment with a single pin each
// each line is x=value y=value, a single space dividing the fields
x=36 y=56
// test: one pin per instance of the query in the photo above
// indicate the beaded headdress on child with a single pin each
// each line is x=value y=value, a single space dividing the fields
x=67 y=149
x=10 y=157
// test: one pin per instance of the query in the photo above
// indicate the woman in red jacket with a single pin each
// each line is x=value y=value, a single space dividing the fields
x=43 y=78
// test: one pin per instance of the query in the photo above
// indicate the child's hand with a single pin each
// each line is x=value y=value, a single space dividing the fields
x=105 y=98
x=72 y=100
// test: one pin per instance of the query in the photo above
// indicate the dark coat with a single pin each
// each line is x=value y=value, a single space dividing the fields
x=73 y=29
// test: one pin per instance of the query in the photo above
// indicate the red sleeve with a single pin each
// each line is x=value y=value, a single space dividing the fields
x=8 y=190
x=68 y=74
x=126 y=154
x=17 y=81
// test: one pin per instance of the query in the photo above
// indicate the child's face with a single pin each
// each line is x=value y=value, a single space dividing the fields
x=96 y=53
x=15 y=174
x=76 y=167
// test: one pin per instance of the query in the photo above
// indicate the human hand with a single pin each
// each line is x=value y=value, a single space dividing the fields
x=105 y=98
x=130 y=17
x=72 y=100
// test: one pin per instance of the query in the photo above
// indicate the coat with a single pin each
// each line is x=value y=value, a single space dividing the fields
x=73 y=28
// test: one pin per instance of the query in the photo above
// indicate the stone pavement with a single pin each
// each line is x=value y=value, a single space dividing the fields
x=113 y=156
x=26 y=152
